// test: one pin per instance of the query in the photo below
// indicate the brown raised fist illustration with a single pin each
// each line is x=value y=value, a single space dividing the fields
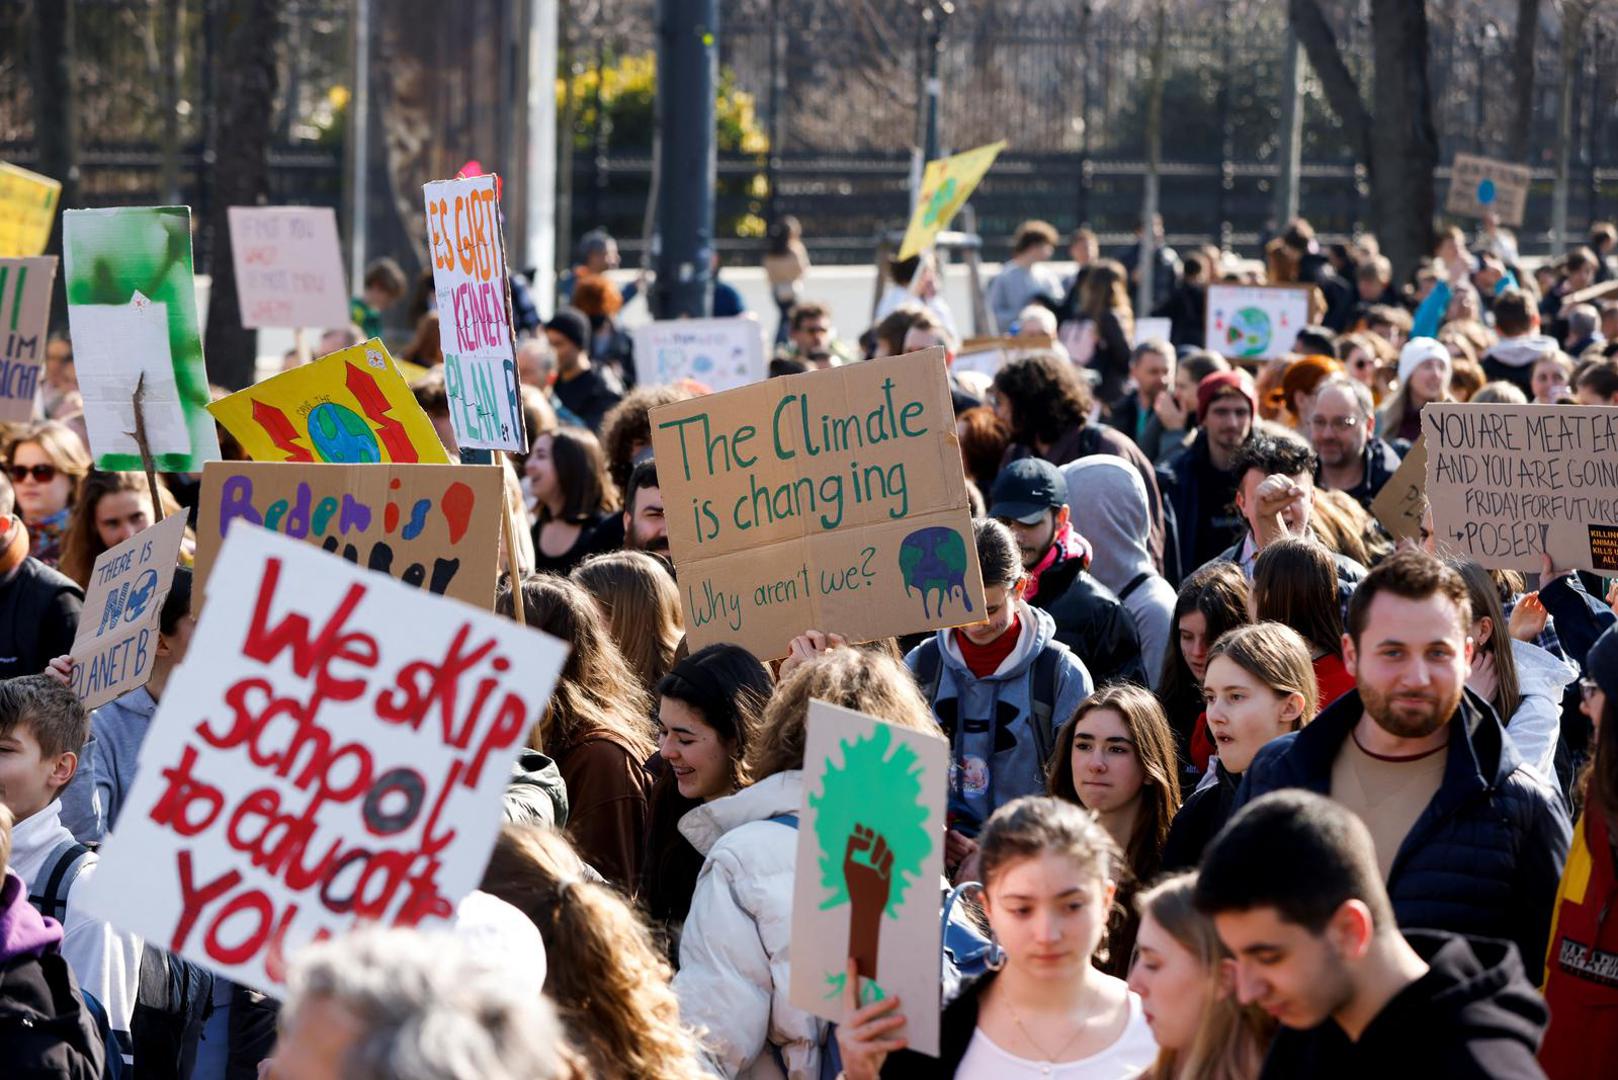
x=868 y=874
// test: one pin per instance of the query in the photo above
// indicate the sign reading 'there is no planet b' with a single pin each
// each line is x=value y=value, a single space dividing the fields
x=832 y=500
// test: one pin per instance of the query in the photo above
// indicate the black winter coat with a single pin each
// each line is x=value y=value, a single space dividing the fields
x=1486 y=856
x=1092 y=622
x=1198 y=822
x=39 y=614
x=46 y=1031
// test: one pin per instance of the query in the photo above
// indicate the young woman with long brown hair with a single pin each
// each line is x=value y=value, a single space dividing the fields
x=1211 y=601
x=638 y=598
x=1260 y=684
x=1295 y=584
x=578 y=504
x=110 y=508
x=1104 y=300
x=608 y=980
x=1116 y=757
x=1202 y=1031
x=595 y=728
x=1044 y=1009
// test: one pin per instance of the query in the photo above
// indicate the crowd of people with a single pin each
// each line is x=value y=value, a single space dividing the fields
x=1239 y=787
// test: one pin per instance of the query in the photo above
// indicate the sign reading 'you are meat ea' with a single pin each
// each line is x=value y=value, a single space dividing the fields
x=474 y=313
x=331 y=752
x=833 y=500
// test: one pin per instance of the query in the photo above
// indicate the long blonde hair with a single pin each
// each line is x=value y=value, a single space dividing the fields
x=609 y=983
x=642 y=606
x=1232 y=1038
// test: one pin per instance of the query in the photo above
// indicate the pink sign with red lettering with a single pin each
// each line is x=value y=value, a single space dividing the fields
x=289 y=267
x=332 y=752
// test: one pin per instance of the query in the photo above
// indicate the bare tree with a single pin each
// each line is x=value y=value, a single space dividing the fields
x=1522 y=79
x=246 y=85
x=1394 y=136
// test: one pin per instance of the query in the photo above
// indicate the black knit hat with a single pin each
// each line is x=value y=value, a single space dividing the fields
x=572 y=324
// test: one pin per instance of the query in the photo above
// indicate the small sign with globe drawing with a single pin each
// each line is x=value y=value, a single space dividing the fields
x=721 y=354
x=116 y=643
x=870 y=861
x=1255 y=322
x=1480 y=184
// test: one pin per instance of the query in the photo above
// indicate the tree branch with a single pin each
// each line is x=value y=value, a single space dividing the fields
x=1319 y=42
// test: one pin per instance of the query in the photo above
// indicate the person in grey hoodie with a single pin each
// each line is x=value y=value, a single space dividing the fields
x=999 y=689
x=1109 y=506
x=1521 y=345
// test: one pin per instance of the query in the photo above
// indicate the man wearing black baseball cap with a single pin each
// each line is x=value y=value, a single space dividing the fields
x=1029 y=497
x=587 y=391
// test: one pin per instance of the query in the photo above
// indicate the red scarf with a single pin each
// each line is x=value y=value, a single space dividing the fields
x=1067 y=544
x=984 y=660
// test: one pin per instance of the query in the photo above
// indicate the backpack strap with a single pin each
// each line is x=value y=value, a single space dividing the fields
x=1134 y=583
x=1044 y=702
x=929 y=669
x=66 y=860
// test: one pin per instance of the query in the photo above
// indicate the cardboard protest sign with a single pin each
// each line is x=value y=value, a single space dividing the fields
x=25 y=311
x=1398 y=505
x=132 y=304
x=289 y=268
x=349 y=407
x=1510 y=483
x=722 y=354
x=1477 y=184
x=987 y=355
x=27 y=210
x=870 y=857
x=116 y=641
x=332 y=752
x=474 y=313
x=945 y=186
x=1255 y=322
x=831 y=500
x=436 y=527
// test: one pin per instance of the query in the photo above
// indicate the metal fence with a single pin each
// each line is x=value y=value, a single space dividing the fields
x=833 y=87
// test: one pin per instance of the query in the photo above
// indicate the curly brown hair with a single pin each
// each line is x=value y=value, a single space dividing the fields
x=1047 y=398
x=628 y=423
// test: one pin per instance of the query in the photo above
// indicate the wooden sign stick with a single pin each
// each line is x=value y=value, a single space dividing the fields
x=511 y=556
x=139 y=435
x=300 y=345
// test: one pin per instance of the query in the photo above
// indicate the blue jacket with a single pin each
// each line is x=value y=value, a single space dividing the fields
x=1484 y=859
x=998 y=747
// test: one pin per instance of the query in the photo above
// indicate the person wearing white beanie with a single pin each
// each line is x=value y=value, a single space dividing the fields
x=1424 y=372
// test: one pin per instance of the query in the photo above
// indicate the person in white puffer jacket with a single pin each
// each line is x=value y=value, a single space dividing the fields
x=735 y=950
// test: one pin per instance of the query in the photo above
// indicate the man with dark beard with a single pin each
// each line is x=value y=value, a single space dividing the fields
x=1467 y=837
x=644 y=526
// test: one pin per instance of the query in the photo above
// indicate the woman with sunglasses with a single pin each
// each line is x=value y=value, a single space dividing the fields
x=45 y=462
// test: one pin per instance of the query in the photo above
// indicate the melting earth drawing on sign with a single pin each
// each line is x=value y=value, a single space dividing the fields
x=1248 y=333
x=933 y=560
x=871 y=826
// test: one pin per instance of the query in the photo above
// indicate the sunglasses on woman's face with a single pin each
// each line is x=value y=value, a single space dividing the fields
x=42 y=474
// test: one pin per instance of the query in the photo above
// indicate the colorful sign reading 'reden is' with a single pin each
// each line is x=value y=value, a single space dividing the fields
x=832 y=500
x=436 y=527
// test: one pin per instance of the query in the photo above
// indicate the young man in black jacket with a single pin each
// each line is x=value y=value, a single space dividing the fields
x=1029 y=497
x=1467 y=838
x=1293 y=887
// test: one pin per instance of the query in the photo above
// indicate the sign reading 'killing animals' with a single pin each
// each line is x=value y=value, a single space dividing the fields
x=474 y=313
x=436 y=527
x=116 y=643
x=331 y=753
x=831 y=500
x=289 y=267
x=1509 y=484
x=25 y=311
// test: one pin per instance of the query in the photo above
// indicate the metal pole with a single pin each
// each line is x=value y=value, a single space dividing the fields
x=687 y=75
x=1286 y=184
x=359 y=143
x=539 y=234
x=934 y=86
